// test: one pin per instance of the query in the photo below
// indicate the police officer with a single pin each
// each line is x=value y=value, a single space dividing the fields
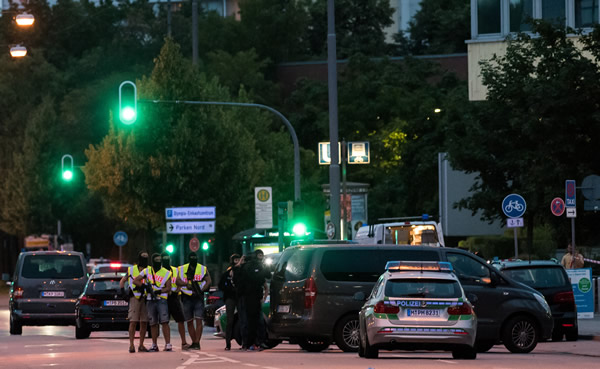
x=195 y=280
x=159 y=280
x=174 y=299
x=137 y=302
x=254 y=292
x=227 y=285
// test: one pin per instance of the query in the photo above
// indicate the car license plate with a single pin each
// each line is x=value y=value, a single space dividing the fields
x=283 y=308
x=423 y=312
x=115 y=303
x=53 y=293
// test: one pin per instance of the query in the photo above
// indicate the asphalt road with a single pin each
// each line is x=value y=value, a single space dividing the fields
x=56 y=347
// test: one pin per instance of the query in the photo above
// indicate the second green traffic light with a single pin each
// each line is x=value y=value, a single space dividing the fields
x=127 y=102
x=170 y=248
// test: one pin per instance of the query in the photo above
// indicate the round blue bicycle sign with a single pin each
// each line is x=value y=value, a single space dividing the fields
x=120 y=238
x=514 y=205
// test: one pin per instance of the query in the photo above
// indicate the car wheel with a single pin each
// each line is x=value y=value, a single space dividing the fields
x=572 y=335
x=82 y=333
x=15 y=326
x=467 y=353
x=370 y=351
x=484 y=346
x=520 y=335
x=347 y=333
x=314 y=344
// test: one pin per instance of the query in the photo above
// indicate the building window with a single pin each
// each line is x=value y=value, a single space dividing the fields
x=488 y=16
x=520 y=12
x=554 y=11
x=586 y=13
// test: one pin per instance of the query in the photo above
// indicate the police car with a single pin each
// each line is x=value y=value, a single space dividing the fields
x=418 y=306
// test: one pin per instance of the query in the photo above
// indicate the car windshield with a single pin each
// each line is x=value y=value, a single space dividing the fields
x=52 y=266
x=293 y=265
x=103 y=285
x=538 y=277
x=432 y=288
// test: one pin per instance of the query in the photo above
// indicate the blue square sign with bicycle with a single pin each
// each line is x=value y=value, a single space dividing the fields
x=514 y=205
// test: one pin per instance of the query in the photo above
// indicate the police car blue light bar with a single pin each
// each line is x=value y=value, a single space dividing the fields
x=418 y=266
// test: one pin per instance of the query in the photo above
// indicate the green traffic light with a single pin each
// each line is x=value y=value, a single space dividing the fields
x=170 y=248
x=128 y=115
x=205 y=245
x=299 y=229
x=67 y=175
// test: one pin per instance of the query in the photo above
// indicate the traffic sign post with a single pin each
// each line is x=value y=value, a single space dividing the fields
x=194 y=244
x=514 y=207
x=120 y=239
x=570 y=194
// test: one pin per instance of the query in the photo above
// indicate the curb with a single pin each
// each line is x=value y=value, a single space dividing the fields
x=589 y=337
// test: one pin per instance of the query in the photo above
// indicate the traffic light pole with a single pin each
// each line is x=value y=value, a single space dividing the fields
x=297 y=192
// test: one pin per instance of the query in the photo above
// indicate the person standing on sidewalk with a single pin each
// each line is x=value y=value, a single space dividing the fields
x=572 y=259
x=254 y=275
x=137 y=302
x=174 y=299
x=195 y=280
x=228 y=287
x=158 y=282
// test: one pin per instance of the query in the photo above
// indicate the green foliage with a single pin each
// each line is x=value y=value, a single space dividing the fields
x=439 y=27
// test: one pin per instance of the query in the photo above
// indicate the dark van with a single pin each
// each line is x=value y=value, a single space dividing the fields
x=314 y=290
x=45 y=287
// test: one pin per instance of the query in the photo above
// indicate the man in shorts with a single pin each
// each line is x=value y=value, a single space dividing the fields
x=137 y=302
x=195 y=279
x=174 y=299
x=159 y=279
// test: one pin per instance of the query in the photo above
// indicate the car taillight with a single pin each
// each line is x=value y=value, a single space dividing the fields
x=17 y=293
x=383 y=308
x=464 y=309
x=86 y=300
x=310 y=293
x=213 y=299
x=115 y=265
x=564 y=297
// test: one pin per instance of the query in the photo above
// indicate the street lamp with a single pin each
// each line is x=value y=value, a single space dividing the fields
x=18 y=51
x=24 y=20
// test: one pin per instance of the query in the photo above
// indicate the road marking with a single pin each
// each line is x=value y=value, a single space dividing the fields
x=249 y=364
x=448 y=362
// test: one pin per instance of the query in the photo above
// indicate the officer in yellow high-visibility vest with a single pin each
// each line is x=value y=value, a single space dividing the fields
x=159 y=280
x=137 y=302
x=174 y=300
x=195 y=280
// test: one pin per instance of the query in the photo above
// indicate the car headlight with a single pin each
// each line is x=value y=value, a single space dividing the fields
x=543 y=302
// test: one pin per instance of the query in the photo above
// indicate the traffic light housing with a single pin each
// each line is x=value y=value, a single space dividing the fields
x=67 y=169
x=206 y=244
x=170 y=248
x=127 y=102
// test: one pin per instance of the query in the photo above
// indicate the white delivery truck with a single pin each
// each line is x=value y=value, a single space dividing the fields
x=402 y=231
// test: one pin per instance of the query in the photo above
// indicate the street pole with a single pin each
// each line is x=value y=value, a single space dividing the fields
x=297 y=192
x=194 y=32
x=334 y=168
x=516 y=244
x=344 y=235
x=169 y=18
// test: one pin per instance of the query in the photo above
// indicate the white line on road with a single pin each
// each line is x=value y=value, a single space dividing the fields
x=448 y=362
x=247 y=364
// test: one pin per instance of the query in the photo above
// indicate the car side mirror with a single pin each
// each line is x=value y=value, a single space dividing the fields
x=359 y=296
x=472 y=298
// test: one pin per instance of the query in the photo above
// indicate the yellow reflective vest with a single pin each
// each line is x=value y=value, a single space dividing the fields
x=133 y=272
x=199 y=274
x=157 y=280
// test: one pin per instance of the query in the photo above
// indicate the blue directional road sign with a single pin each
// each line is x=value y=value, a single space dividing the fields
x=514 y=205
x=120 y=238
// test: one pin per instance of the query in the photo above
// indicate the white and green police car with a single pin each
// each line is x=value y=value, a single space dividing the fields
x=418 y=306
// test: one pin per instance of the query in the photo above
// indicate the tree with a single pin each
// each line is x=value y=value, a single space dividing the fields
x=438 y=27
x=526 y=137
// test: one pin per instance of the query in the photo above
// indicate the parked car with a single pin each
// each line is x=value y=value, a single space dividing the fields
x=45 y=287
x=101 y=307
x=551 y=279
x=111 y=267
x=313 y=287
x=417 y=306
x=213 y=299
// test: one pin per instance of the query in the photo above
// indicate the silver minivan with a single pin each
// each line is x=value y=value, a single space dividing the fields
x=45 y=287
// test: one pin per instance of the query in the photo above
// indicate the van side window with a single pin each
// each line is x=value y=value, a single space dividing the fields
x=469 y=270
x=366 y=265
x=293 y=265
